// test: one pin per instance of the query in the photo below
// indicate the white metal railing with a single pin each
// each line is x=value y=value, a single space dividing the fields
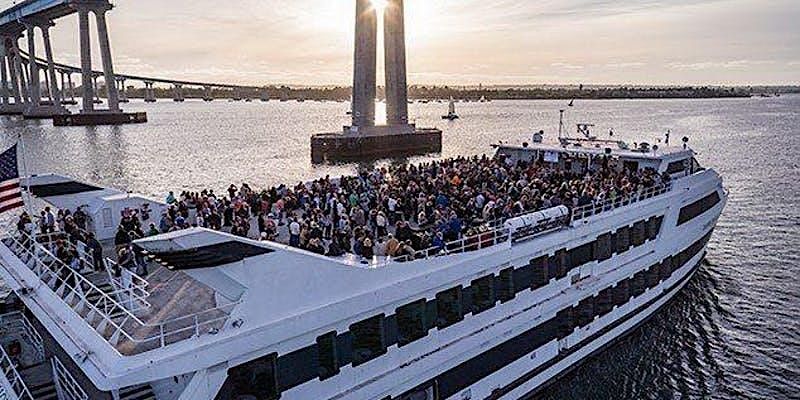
x=12 y=386
x=475 y=242
x=86 y=258
x=579 y=213
x=66 y=386
x=18 y=321
x=130 y=287
x=122 y=323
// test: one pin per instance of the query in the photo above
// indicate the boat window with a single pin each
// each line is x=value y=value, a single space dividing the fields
x=581 y=255
x=622 y=240
x=411 y=324
x=602 y=247
x=505 y=285
x=604 y=302
x=652 y=278
x=448 y=307
x=108 y=220
x=327 y=355
x=698 y=208
x=426 y=392
x=653 y=227
x=679 y=166
x=368 y=339
x=540 y=272
x=638 y=284
x=665 y=271
x=621 y=292
x=257 y=378
x=561 y=260
x=483 y=294
x=566 y=322
x=638 y=233
x=585 y=314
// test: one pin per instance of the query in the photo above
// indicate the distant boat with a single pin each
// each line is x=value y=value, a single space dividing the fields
x=451 y=113
x=483 y=99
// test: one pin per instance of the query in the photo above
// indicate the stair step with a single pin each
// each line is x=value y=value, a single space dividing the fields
x=144 y=392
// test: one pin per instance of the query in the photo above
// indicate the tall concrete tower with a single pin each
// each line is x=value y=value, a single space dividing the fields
x=365 y=64
x=395 y=51
x=364 y=140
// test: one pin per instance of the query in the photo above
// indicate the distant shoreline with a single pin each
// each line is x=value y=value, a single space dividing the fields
x=444 y=93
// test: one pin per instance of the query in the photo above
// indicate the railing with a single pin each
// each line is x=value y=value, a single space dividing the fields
x=479 y=241
x=17 y=320
x=86 y=258
x=131 y=287
x=122 y=323
x=12 y=380
x=66 y=386
x=589 y=210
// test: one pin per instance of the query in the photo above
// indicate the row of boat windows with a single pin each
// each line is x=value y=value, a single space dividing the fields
x=370 y=338
x=698 y=208
x=453 y=381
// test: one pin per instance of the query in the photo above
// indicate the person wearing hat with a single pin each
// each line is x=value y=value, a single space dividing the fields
x=367 y=250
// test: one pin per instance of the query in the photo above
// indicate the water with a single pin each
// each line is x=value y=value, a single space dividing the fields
x=731 y=334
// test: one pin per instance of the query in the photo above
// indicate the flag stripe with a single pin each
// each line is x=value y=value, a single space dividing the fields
x=12 y=205
x=8 y=184
x=11 y=194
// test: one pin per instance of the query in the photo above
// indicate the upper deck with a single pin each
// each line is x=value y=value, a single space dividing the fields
x=207 y=287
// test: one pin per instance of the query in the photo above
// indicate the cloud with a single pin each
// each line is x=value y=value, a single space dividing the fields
x=625 y=65
x=566 y=66
x=706 y=65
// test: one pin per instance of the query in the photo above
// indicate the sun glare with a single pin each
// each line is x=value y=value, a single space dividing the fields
x=379 y=5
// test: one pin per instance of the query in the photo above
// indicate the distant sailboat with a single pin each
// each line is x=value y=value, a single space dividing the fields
x=451 y=114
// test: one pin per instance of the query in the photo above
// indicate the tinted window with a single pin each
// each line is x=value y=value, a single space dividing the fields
x=604 y=302
x=566 y=322
x=622 y=240
x=665 y=269
x=581 y=255
x=585 y=312
x=653 y=277
x=411 y=324
x=653 y=227
x=638 y=284
x=540 y=272
x=368 y=339
x=483 y=294
x=621 y=292
x=698 y=208
x=505 y=285
x=638 y=233
x=602 y=247
x=256 y=378
x=677 y=166
x=327 y=355
x=448 y=307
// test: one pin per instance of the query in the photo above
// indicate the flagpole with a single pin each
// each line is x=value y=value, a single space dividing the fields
x=28 y=205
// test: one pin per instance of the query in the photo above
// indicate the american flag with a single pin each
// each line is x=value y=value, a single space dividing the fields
x=10 y=191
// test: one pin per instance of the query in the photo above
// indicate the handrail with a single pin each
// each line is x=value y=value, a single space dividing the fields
x=66 y=385
x=52 y=237
x=475 y=242
x=26 y=328
x=16 y=384
x=595 y=208
x=107 y=308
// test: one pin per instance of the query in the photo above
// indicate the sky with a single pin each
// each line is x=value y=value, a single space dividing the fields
x=459 y=42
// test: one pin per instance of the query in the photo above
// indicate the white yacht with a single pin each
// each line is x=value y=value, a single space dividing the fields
x=495 y=316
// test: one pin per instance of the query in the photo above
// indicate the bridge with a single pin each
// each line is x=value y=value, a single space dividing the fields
x=23 y=73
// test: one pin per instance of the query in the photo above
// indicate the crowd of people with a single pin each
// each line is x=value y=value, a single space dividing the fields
x=402 y=209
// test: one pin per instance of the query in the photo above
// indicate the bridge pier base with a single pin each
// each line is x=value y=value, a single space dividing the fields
x=149 y=92
x=178 y=91
x=38 y=110
x=113 y=115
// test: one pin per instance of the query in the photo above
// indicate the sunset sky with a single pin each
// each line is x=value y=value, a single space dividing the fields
x=460 y=41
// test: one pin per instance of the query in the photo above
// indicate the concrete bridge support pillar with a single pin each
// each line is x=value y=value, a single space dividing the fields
x=178 y=93
x=105 y=55
x=71 y=87
x=237 y=94
x=264 y=95
x=4 y=97
x=86 y=60
x=365 y=64
x=395 y=54
x=96 y=90
x=20 y=88
x=123 y=92
x=33 y=71
x=149 y=92
x=55 y=96
x=208 y=93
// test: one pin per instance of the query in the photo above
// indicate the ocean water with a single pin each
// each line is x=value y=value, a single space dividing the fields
x=733 y=333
